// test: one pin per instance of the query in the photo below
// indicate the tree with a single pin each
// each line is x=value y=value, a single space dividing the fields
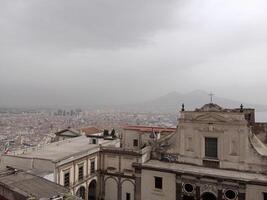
x=106 y=133
x=113 y=133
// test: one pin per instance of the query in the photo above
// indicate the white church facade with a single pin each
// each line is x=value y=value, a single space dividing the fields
x=213 y=155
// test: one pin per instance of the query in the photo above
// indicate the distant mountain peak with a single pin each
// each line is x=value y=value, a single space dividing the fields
x=198 y=92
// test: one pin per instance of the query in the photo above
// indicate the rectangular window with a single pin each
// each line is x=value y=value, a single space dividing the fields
x=158 y=182
x=93 y=141
x=92 y=169
x=211 y=148
x=135 y=143
x=80 y=177
x=128 y=196
x=67 y=179
x=264 y=195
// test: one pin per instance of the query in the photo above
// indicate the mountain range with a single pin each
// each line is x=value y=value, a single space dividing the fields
x=173 y=101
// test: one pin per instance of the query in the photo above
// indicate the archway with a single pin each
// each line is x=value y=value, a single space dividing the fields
x=92 y=190
x=208 y=196
x=81 y=192
x=111 y=188
x=127 y=189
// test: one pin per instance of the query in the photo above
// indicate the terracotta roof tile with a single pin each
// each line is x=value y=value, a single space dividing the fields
x=90 y=130
x=149 y=128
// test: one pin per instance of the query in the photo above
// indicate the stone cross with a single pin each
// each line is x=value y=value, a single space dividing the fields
x=211 y=97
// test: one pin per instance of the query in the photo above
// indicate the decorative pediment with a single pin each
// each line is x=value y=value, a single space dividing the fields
x=211 y=117
x=210 y=107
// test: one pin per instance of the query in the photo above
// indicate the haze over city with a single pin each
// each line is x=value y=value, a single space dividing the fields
x=118 y=52
x=133 y=100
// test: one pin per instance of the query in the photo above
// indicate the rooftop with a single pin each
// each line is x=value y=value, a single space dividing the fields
x=29 y=185
x=90 y=130
x=210 y=107
x=149 y=129
x=73 y=131
x=203 y=171
x=58 y=151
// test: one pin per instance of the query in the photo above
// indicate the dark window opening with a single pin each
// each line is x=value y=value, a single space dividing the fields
x=92 y=170
x=211 y=148
x=135 y=143
x=80 y=173
x=67 y=179
x=128 y=196
x=158 y=182
x=81 y=192
x=230 y=194
x=188 y=188
x=208 y=196
x=264 y=195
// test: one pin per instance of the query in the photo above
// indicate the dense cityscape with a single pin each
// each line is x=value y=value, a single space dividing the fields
x=21 y=128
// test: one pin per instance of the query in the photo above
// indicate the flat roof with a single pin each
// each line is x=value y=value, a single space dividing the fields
x=205 y=171
x=31 y=185
x=58 y=151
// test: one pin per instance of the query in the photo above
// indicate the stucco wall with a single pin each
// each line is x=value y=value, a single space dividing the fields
x=111 y=189
x=149 y=192
x=255 y=192
x=27 y=163
x=232 y=132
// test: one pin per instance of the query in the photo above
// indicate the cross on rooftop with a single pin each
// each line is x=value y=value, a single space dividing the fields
x=211 y=97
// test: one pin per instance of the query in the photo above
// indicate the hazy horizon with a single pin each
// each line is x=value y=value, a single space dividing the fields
x=104 y=52
x=191 y=101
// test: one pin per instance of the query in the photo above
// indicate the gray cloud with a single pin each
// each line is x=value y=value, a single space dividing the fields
x=88 y=24
x=87 y=52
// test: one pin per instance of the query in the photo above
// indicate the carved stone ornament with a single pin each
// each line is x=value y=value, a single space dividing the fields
x=209 y=188
x=210 y=128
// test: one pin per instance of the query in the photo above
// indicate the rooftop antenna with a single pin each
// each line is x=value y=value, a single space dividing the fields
x=211 y=97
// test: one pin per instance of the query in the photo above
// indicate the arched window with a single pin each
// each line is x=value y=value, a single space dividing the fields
x=208 y=196
x=81 y=192
x=92 y=190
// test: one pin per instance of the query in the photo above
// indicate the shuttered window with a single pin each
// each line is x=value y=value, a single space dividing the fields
x=67 y=179
x=80 y=177
x=92 y=170
x=211 y=147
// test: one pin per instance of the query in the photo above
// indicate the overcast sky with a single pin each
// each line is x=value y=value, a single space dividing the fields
x=78 y=52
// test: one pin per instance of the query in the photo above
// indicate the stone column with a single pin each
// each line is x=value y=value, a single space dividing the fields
x=178 y=188
x=220 y=195
x=242 y=191
x=242 y=196
x=119 y=187
x=197 y=192
x=137 y=186
x=100 y=194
